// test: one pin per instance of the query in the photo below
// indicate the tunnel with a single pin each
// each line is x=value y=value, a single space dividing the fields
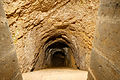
x=59 y=55
x=56 y=52
x=58 y=59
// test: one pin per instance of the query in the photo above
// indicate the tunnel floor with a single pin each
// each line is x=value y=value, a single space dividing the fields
x=56 y=74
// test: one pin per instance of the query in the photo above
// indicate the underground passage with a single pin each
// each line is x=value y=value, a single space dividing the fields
x=57 y=51
x=58 y=55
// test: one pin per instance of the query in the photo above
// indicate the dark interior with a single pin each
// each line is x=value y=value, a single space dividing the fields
x=59 y=54
x=58 y=59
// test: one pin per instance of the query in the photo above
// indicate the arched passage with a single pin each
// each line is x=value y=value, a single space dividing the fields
x=56 y=51
x=58 y=54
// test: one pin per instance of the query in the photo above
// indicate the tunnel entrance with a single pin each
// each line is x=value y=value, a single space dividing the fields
x=57 y=52
x=58 y=59
x=59 y=55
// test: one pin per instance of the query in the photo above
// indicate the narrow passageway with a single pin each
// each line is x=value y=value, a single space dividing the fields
x=60 y=64
x=58 y=54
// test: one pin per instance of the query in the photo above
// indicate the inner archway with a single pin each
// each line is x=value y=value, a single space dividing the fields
x=59 y=55
x=57 y=52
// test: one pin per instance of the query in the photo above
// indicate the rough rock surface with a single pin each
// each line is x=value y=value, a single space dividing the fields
x=8 y=60
x=105 y=56
x=32 y=22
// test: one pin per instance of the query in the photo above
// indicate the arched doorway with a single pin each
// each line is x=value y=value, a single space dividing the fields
x=59 y=55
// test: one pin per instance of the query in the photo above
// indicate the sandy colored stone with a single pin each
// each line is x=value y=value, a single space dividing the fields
x=56 y=74
x=9 y=69
x=105 y=57
x=32 y=20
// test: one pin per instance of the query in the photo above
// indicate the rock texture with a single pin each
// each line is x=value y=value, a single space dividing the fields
x=34 y=22
x=105 y=59
x=8 y=60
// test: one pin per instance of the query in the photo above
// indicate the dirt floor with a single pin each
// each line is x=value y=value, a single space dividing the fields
x=56 y=74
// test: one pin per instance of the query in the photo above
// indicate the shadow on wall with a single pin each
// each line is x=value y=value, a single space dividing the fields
x=105 y=56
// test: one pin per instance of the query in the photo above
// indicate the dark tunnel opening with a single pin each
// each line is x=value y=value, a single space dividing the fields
x=58 y=59
x=59 y=55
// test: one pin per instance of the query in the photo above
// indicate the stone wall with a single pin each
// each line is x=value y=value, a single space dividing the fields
x=105 y=57
x=33 y=22
x=9 y=69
